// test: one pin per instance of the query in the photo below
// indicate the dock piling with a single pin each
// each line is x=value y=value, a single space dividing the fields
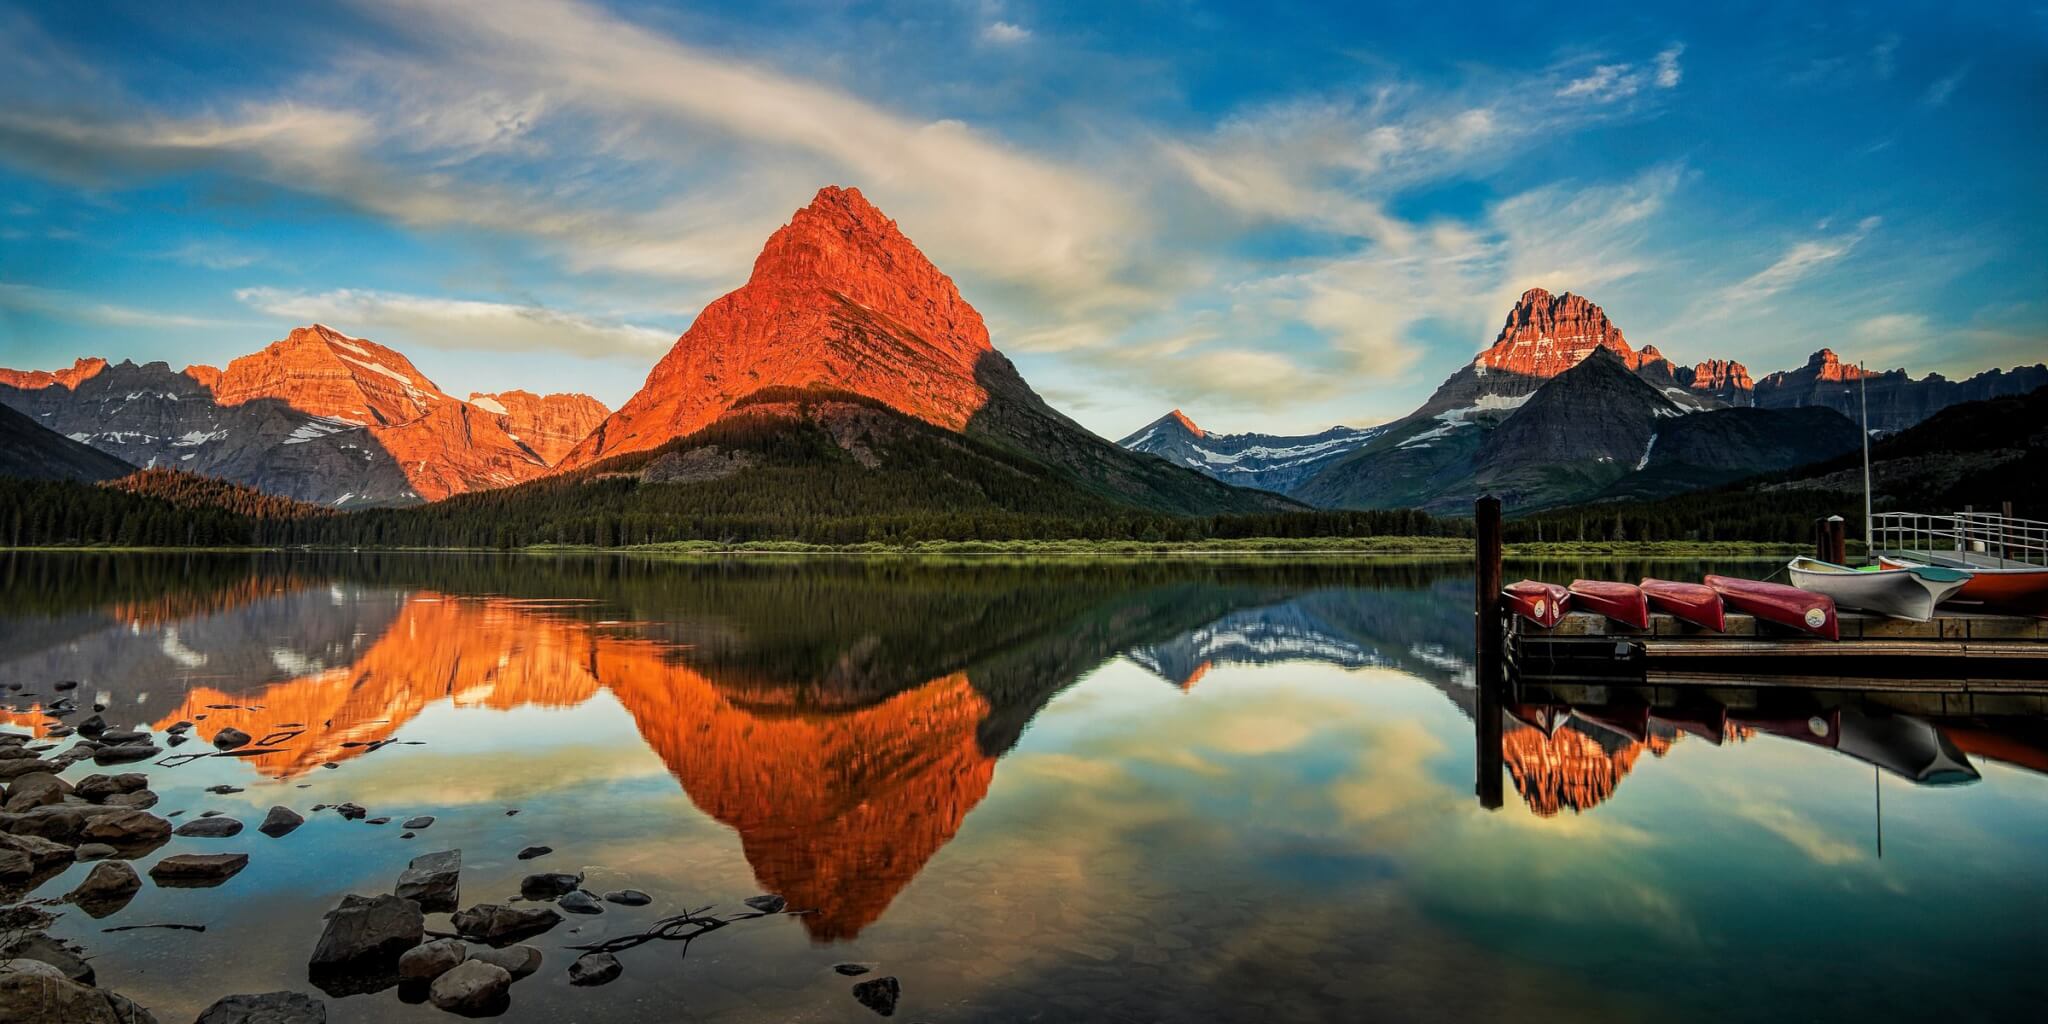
x=1488 y=639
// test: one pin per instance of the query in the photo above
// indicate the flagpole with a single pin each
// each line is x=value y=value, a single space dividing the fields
x=1869 y=542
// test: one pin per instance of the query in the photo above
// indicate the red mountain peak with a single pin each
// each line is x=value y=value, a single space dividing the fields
x=838 y=298
x=1188 y=424
x=549 y=424
x=31 y=380
x=322 y=371
x=1546 y=334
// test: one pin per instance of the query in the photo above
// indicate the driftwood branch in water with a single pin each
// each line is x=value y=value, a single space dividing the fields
x=683 y=928
x=139 y=927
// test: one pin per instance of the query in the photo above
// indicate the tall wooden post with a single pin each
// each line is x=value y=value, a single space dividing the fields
x=1838 y=541
x=1487 y=642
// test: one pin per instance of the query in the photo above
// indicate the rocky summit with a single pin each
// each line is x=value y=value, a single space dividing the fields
x=838 y=298
x=841 y=301
x=1896 y=400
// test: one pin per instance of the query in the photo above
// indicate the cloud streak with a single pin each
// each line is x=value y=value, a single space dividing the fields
x=460 y=324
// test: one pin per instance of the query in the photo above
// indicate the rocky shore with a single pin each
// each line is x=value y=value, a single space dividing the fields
x=369 y=943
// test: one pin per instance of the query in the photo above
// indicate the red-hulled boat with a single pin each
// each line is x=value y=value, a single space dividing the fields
x=1540 y=603
x=2015 y=590
x=1622 y=602
x=1775 y=602
x=1687 y=602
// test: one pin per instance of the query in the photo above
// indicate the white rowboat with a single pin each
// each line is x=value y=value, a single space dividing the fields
x=1902 y=593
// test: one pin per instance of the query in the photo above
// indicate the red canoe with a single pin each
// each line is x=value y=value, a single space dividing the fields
x=1775 y=602
x=1540 y=603
x=1687 y=602
x=1622 y=602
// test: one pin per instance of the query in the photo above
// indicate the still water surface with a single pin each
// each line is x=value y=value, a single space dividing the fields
x=1048 y=791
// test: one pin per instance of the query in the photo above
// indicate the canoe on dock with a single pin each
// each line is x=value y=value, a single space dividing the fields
x=1903 y=592
x=1540 y=603
x=1687 y=602
x=1786 y=606
x=1622 y=602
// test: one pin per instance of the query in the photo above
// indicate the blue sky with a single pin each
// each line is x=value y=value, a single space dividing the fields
x=1276 y=216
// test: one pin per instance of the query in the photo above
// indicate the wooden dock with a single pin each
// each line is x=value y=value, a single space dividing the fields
x=1955 y=652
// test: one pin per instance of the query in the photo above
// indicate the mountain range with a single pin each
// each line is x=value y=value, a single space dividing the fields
x=1561 y=409
x=848 y=379
x=318 y=416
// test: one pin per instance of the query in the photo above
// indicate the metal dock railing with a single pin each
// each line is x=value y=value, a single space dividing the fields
x=1967 y=540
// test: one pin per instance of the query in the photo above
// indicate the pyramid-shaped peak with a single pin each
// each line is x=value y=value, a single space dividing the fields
x=1186 y=424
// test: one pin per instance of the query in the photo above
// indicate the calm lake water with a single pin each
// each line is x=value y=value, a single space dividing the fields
x=1052 y=791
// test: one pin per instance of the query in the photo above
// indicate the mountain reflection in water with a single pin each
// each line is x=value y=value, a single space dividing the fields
x=845 y=720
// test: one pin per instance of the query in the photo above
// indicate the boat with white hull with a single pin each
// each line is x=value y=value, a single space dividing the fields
x=1902 y=593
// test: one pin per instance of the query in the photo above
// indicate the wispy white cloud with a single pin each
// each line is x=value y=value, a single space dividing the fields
x=85 y=309
x=1941 y=89
x=1884 y=56
x=1799 y=262
x=1668 y=71
x=1606 y=82
x=440 y=323
x=1005 y=33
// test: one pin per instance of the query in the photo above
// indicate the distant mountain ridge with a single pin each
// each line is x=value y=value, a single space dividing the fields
x=318 y=416
x=1272 y=462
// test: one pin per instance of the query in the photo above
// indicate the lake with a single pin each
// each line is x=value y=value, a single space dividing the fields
x=1027 y=790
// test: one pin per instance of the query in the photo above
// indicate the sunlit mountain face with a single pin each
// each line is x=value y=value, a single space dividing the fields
x=1068 y=767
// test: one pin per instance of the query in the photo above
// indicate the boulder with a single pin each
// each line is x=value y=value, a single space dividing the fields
x=34 y=997
x=430 y=960
x=209 y=828
x=531 y=852
x=197 y=870
x=499 y=925
x=594 y=969
x=520 y=961
x=352 y=812
x=36 y=851
x=125 y=827
x=125 y=753
x=879 y=995
x=628 y=897
x=95 y=851
x=548 y=885
x=124 y=736
x=230 y=737
x=141 y=799
x=36 y=789
x=15 y=768
x=109 y=880
x=44 y=949
x=265 y=1008
x=472 y=987
x=422 y=821
x=768 y=904
x=368 y=930
x=280 y=822
x=580 y=902
x=432 y=880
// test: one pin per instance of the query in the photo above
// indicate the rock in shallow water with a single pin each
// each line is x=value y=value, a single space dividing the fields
x=265 y=1008
x=520 y=961
x=280 y=822
x=594 y=969
x=431 y=960
x=548 y=885
x=473 y=986
x=879 y=995
x=432 y=880
x=109 y=880
x=535 y=851
x=209 y=828
x=32 y=997
x=422 y=821
x=230 y=737
x=628 y=897
x=197 y=870
x=580 y=902
x=767 y=904
x=36 y=789
x=498 y=924
x=363 y=929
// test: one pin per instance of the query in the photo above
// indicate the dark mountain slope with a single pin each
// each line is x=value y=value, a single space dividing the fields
x=34 y=452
